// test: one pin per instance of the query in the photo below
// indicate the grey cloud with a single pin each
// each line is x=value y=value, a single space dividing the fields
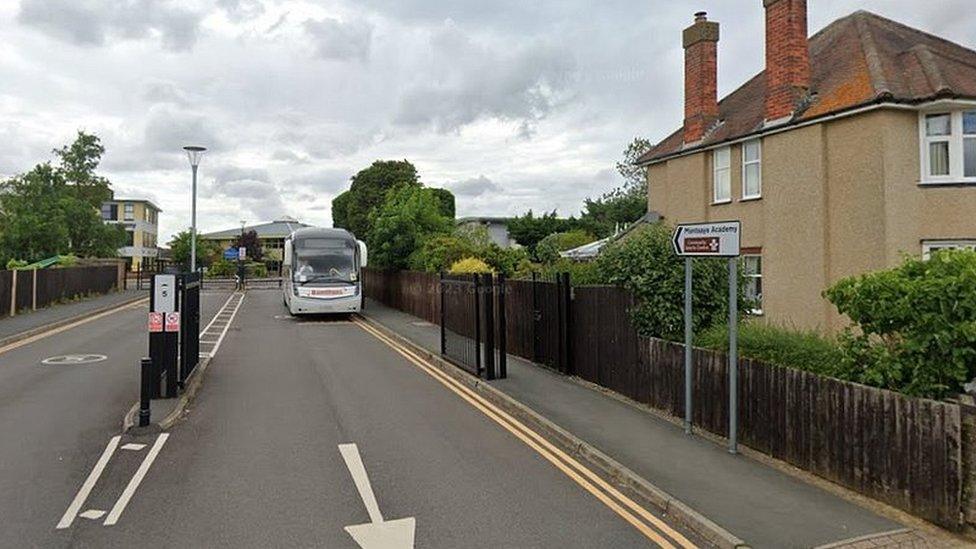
x=169 y=129
x=476 y=186
x=466 y=80
x=340 y=40
x=94 y=22
x=240 y=10
x=162 y=91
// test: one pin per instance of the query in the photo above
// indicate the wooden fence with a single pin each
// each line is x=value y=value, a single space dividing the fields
x=32 y=289
x=904 y=451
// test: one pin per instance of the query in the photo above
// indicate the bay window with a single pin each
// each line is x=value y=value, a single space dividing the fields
x=949 y=147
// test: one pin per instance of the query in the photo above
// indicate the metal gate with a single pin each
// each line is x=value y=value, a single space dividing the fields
x=189 y=324
x=473 y=323
x=551 y=307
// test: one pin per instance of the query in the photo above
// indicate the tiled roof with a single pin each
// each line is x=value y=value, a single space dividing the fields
x=855 y=61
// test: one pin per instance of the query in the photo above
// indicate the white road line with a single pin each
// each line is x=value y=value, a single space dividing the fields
x=134 y=446
x=130 y=489
x=214 y=319
x=92 y=514
x=224 y=333
x=350 y=453
x=86 y=488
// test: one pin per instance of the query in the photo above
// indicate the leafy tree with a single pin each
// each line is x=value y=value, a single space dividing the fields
x=528 y=229
x=55 y=210
x=369 y=190
x=646 y=264
x=438 y=253
x=913 y=326
x=634 y=175
x=446 y=199
x=470 y=265
x=549 y=247
x=340 y=210
x=252 y=244
x=207 y=250
x=409 y=217
x=77 y=164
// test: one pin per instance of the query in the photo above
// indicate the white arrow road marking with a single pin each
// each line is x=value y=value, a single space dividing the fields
x=86 y=488
x=377 y=533
x=134 y=446
x=130 y=489
x=93 y=514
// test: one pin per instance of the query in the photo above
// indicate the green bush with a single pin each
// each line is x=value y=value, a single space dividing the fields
x=256 y=270
x=547 y=250
x=801 y=349
x=645 y=263
x=914 y=326
x=439 y=252
x=16 y=264
x=470 y=265
x=222 y=268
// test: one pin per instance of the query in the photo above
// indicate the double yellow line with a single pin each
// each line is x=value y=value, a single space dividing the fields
x=653 y=528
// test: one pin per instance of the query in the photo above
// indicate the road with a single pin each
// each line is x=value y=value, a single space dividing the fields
x=257 y=462
x=55 y=419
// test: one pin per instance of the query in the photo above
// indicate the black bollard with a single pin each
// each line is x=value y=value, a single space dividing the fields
x=145 y=391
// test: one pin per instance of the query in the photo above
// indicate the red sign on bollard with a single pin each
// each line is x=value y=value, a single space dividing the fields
x=173 y=322
x=155 y=322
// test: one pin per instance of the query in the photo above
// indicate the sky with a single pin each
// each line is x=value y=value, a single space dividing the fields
x=510 y=104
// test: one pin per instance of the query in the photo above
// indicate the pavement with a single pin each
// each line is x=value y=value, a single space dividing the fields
x=759 y=504
x=10 y=326
x=55 y=419
x=256 y=461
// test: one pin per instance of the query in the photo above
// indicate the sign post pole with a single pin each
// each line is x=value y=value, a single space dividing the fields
x=733 y=359
x=688 y=337
x=715 y=239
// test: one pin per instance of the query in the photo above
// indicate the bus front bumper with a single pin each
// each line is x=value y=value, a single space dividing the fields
x=313 y=305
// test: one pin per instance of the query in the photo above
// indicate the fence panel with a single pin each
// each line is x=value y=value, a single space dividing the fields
x=520 y=318
x=5 y=292
x=412 y=292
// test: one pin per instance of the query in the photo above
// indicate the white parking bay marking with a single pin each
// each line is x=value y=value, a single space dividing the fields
x=92 y=514
x=134 y=446
x=378 y=533
x=130 y=489
x=86 y=488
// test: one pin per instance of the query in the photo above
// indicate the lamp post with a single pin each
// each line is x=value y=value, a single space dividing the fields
x=194 y=153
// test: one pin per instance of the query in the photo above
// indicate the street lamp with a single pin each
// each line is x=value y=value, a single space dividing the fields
x=194 y=153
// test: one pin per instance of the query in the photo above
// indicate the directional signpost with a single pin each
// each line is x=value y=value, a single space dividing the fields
x=720 y=239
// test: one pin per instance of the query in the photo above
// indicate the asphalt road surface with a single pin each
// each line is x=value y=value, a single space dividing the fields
x=55 y=419
x=302 y=429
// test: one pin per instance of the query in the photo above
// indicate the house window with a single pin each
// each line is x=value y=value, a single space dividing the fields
x=130 y=237
x=110 y=212
x=722 y=175
x=929 y=246
x=129 y=212
x=752 y=271
x=949 y=147
x=751 y=169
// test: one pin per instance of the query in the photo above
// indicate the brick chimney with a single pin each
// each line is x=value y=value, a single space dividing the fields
x=787 y=57
x=700 y=41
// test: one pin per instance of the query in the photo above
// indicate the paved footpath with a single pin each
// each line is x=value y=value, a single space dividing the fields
x=257 y=461
x=25 y=321
x=55 y=419
x=761 y=505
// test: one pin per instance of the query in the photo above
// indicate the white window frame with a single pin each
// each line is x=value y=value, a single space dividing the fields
x=727 y=170
x=745 y=163
x=956 y=149
x=129 y=212
x=759 y=309
x=929 y=245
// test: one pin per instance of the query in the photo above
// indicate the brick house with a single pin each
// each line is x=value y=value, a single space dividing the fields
x=854 y=146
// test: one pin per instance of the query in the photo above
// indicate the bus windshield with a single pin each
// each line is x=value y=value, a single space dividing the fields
x=324 y=260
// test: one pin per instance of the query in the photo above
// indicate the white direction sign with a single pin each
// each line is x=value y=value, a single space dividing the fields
x=707 y=239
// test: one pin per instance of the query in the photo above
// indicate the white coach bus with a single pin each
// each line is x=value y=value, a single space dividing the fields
x=322 y=271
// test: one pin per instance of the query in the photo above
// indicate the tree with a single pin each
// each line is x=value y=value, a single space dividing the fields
x=55 y=210
x=549 y=247
x=634 y=175
x=369 y=190
x=409 y=216
x=528 y=230
x=340 y=210
x=207 y=250
x=252 y=244
x=617 y=208
x=446 y=199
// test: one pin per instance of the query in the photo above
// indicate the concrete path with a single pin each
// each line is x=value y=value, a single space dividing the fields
x=25 y=321
x=56 y=419
x=761 y=505
x=257 y=461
